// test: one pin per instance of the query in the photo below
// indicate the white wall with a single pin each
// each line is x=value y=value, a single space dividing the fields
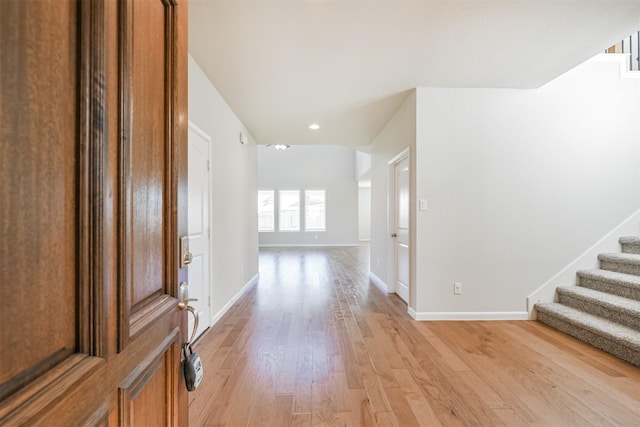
x=363 y=165
x=234 y=229
x=519 y=183
x=364 y=212
x=398 y=134
x=328 y=167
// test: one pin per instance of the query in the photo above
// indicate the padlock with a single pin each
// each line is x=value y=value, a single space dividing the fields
x=192 y=367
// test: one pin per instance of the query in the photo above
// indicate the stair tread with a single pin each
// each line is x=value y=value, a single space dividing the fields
x=611 y=276
x=620 y=257
x=603 y=327
x=605 y=299
x=631 y=240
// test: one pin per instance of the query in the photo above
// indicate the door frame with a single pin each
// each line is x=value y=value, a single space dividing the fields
x=392 y=278
x=192 y=126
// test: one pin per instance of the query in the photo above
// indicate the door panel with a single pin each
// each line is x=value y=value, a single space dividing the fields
x=145 y=33
x=39 y=210
x=145 y=397
x=402 y=228
x=145 y=217
x=199 y=286
x=151 y=397
x=93 y=179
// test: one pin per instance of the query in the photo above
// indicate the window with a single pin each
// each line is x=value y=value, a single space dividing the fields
x=266 y=212
x=289 y=210
x=314 y=216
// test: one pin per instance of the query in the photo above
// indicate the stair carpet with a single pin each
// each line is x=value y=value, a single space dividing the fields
x=604 y=308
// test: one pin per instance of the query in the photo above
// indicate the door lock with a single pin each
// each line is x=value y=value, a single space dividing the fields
x=185 y=256
x=183 y=297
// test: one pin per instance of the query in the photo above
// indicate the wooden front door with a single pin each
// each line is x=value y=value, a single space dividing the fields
x=93 y=134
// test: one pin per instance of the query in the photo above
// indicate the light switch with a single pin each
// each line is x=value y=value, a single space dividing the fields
x=422 y=204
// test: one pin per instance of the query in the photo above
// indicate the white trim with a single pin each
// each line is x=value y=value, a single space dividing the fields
x=469 y=316
x=391 y=221
x=587 y=260
x=400 y=156
x=412 y=313
x=304 y=245
x=233 y=300
x=194 y=127
x=378 y=282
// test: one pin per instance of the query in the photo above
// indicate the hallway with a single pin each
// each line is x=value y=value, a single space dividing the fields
x=314 y=343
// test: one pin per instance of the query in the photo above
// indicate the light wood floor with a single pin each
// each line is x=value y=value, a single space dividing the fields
x=313 y=343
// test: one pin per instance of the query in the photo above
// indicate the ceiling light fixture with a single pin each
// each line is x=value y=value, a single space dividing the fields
x=281 y=147
x=314 y=126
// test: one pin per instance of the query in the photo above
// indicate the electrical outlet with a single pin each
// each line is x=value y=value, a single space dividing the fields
x=457 y=288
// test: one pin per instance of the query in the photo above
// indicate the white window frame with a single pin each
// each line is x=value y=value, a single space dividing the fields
x=315 y=230
x=275 y=204
x=279 y=210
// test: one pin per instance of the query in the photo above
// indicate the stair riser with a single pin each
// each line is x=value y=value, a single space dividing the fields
x=602 y=311
x=631 y=355
x=610 y=287
x=620 y=267
x=630 y=248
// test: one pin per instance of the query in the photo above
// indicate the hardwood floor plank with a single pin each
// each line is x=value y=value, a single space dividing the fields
x=354 y=376
x=386 y=419
x=401 y=408
x=384 y=341
x=361 y=414
x=314 y=343
x=300 y=420
x=509 y=417
x=304 y=373
x=281 y=414
x=422 y=410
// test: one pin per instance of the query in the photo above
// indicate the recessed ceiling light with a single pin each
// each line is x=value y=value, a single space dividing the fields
x=280 y=147
x=314 y=126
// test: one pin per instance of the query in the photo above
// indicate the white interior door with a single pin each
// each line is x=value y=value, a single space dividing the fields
x=199 y=286
x=401 y=232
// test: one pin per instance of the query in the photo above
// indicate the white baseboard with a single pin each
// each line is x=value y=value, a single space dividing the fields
x=233 y=300
x=304 y=245
x=467 y=316
x=379 y=282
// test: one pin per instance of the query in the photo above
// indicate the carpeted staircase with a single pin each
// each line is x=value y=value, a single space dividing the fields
x=604 y=309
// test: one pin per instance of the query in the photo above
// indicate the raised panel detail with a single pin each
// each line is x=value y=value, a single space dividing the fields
x=39 y=209
x=148 y=406
x=148 y=145
x=146 y=397
x=147 y=40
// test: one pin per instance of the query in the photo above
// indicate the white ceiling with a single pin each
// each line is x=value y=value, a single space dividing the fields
x=348 y=65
